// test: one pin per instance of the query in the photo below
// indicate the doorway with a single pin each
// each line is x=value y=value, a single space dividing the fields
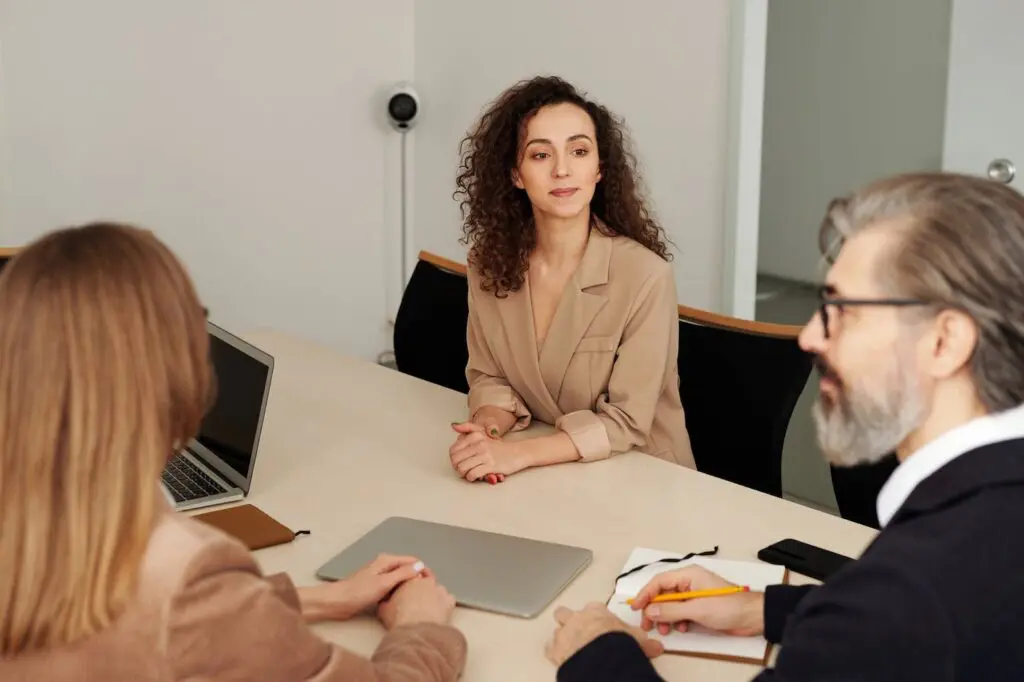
x=852 y=91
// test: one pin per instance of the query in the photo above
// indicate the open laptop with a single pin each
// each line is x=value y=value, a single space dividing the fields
x=488 y=571
x=216 y=467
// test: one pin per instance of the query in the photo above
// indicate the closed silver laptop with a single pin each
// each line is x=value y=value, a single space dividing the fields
x=488 y=571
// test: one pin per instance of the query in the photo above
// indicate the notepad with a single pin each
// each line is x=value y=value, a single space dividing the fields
x=698 y=641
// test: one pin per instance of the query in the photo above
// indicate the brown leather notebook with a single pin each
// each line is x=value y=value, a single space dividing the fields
x=249 y=524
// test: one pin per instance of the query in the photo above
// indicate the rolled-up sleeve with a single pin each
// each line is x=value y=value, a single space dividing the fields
x=622 y=417
x=588 y=433
x=487 y=385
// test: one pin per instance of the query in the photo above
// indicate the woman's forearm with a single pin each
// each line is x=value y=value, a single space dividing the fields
x=315 y=605
x=545 y=450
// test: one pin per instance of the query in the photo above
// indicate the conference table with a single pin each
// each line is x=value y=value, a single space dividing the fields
x=347 y=443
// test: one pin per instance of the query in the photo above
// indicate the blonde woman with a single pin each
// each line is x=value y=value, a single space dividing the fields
x=103 y=370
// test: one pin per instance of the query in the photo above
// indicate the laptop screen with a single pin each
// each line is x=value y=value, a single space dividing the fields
x=231 y=428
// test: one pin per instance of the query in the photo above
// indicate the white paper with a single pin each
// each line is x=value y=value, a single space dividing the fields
x=757 y=575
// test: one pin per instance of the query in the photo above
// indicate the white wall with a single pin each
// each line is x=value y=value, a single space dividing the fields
x=853 y=91
x=662 y=66
x=247 y=133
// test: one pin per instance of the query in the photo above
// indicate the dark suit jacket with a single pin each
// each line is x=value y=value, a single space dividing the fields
x=937 y=596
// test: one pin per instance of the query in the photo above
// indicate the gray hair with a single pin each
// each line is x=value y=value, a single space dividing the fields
x=961 y=247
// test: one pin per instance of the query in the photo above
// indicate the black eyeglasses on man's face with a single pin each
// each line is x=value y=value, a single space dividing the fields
x=828 y=299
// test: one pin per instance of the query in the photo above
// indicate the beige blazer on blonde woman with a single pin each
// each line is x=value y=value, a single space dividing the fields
x=606 y=374
x=205 y=612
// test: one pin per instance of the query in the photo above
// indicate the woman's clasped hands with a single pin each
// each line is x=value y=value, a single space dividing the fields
x=400 y=589
x=479 y=453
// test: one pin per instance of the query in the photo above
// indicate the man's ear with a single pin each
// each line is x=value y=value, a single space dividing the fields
x=516 y=180
x=953 y=342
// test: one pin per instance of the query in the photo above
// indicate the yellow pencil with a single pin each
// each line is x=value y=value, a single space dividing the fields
x=683 y=596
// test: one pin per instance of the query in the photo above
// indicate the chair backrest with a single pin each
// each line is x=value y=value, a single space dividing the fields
x=430 y=328
x=857 y=489
x=739 y=382
x=6 y=254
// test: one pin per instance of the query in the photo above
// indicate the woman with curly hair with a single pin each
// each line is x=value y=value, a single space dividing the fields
x=573 y=319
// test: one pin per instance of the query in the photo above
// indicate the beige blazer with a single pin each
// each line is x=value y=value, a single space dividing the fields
x=606 y=374
x=204 y=612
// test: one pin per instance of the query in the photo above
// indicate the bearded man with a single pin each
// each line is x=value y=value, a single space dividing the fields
x=919 y=341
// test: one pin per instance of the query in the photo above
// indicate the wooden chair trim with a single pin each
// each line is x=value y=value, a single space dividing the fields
x=443 y=263
x=9 y=251
x=784 y=331
x=780 y=331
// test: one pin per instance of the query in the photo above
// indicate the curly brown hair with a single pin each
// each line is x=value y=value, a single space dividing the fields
x=498 y=217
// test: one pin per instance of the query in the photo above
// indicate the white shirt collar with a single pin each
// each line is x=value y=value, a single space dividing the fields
x=992 y=428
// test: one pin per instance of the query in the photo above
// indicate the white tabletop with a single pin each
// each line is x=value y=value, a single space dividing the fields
x=347 y=443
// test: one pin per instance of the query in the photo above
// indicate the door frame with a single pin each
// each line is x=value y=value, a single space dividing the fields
x=748 y=34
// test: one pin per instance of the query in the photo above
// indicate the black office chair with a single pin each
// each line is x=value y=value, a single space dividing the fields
x=857 y=489
x=739 y=382
x=430 y=328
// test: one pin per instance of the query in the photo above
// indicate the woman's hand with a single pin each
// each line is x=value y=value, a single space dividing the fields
x=495 y=421
x=476 y=455
x=736 y=614
x=417 y=601
x=359 y=592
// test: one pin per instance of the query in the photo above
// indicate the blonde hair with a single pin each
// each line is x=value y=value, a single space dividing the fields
x=961 y=246
x=104 y=368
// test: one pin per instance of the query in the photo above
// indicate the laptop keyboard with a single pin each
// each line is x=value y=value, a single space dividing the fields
x=186 y=481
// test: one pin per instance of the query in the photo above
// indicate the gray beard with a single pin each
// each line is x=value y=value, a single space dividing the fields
x=861 y=428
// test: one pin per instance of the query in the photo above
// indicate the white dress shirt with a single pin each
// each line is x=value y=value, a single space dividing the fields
x=992 y=428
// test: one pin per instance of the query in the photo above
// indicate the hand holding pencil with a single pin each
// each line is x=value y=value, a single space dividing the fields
x=695 y=594
x=673 y=600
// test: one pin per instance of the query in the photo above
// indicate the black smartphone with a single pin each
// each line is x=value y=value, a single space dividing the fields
x=802 y=558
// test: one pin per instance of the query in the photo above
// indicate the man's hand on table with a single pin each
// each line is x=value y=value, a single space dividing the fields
x=576 y=629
